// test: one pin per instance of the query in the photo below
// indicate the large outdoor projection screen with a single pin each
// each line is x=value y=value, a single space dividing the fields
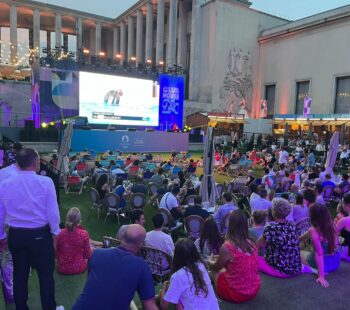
x=117 y=100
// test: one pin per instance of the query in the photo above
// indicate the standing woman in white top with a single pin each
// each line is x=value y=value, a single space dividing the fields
x=190 y=286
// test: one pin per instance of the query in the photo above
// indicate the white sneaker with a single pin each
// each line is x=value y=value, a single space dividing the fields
x=59 y=308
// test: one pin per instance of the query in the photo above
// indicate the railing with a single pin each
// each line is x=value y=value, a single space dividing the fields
x=52 y=167
x=17 y=119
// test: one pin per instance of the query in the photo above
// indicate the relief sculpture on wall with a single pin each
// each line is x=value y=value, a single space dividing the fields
x=236 y=90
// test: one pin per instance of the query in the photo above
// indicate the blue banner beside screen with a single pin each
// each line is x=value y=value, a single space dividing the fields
x=171 y=102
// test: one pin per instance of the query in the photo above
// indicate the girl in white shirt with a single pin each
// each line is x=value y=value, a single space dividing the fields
x=190 y=286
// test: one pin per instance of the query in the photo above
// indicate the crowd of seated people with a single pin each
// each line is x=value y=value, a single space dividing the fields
x=285 y=208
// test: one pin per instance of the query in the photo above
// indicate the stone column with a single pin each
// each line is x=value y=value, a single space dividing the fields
x=92 y=41
x=182 y=35
x=139 y=37
x=58 y=31
x=115 y=41
x=160 y=32
x=149 y=31
x=195 y=50
x=79 y=32
x=13 y=34
x=36 y=31
x=131 y=39
x=172 y=33
x=122 y=41
x=98 y=39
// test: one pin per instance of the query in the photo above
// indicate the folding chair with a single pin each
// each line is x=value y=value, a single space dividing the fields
x=189 y=200
x=82 y=169
x=112 y=203
x=109 y=242
x=327 y=193
x=220 y=189
x=152 y=187
x=120 y=162
x=104 y=163
x=193 y=225
x=73 y=182
x=138 y=200
x=158 y=262
x=169 y=224
x=96 y=202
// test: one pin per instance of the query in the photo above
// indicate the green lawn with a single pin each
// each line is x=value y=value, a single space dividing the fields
x=275 y=293
x=69 y=287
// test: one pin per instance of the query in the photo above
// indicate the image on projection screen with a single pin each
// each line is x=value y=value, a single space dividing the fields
x=117 y=100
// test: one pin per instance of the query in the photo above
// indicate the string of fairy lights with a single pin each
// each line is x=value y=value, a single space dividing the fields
x=20 y=57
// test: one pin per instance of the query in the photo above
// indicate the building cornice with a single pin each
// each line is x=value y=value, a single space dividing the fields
x=58 y=9
x=307 y=23
x=132 y=10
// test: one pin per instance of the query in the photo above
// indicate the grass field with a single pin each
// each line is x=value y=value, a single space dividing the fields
x=69 y=287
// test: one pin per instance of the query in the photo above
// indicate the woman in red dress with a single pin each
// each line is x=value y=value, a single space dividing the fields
x=73 y=245
x=235 y=271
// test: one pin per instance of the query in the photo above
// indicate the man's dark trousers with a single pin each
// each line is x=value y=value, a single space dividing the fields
x=32 y=247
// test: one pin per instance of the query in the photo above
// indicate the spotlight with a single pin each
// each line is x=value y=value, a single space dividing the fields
x=86 y=51
x=149 y=61
x=161 y=63
x=43 y=125
x=133 y=58
x=52 y=124
x=102 y=54
x=118 y=56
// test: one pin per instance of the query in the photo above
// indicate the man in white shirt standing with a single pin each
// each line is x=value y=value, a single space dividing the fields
x=159 y=240
x=283 y=156
x=28 y=205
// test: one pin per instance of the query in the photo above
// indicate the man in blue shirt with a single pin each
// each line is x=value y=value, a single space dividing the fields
x=223 y=210
x=115 y=274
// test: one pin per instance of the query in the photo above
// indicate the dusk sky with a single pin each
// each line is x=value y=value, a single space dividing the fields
x=291 y=9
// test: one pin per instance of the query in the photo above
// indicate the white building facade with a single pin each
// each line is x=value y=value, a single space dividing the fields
x=233 y=55
x=309 y=57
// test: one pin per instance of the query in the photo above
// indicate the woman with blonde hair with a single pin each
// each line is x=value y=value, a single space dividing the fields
x=73 y=245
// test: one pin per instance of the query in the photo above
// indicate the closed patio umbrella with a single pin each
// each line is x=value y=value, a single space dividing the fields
x=63 y=161
x=208 y=190
x=332 y=153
